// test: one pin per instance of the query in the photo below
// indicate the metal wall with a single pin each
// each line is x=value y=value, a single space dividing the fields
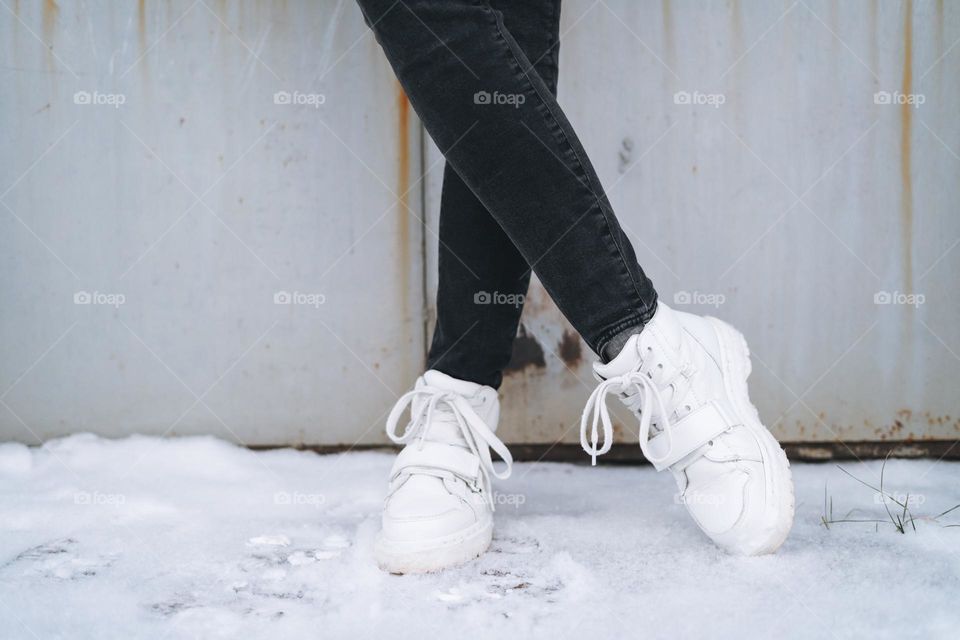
x=183 y=182
x=179 y=154
x=763 y=180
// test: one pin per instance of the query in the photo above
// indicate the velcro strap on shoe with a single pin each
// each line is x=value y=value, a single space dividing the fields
x=688 y=434
x=436 y=455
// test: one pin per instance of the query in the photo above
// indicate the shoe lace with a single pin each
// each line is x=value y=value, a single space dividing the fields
x=440 y=405
x=638 y=391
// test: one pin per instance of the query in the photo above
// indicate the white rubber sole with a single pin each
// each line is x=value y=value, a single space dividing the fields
x=433 y=555
x=735 y=362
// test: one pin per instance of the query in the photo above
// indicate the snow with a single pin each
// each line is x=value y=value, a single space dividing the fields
x=194 y=537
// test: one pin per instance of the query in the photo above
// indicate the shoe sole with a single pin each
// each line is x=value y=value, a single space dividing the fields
x=736 y=365
x=433 y=555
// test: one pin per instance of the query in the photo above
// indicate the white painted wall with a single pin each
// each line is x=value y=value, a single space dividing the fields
x=199 y=198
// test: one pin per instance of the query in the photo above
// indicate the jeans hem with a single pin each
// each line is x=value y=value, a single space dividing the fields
x=635 y=320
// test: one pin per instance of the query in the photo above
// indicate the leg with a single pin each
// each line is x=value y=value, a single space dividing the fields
x=518 y=155
x=684 y=376
x=473 y=341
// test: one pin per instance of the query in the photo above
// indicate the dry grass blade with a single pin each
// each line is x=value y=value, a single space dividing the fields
x=899 y=520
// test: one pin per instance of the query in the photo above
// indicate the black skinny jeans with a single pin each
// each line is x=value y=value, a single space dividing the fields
x=519 y=192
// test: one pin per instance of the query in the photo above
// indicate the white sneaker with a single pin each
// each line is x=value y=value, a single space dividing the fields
x=685 y=377
x=439 y=507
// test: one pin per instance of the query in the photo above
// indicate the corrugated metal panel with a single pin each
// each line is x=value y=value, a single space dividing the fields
x=748 y=150
x=180 y=180
x=783 y=187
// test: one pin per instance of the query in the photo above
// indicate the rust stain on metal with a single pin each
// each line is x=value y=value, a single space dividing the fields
x=142 y=23
x=144 y=67
x=906 y=122
x=736 y=26
x=569 y=348
x=940 y=20
x=527 y=352
x=50 y=14
x=907 y=426
x=619 y=433
x=667 y=14
x=403 y=178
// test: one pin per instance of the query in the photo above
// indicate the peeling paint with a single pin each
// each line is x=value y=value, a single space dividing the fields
x=569 y=348
x=527 y=352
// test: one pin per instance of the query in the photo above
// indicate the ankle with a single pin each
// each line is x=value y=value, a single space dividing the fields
x=615 y=345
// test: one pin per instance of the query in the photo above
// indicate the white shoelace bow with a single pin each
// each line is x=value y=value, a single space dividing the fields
x=478 y=436
x=637 y=401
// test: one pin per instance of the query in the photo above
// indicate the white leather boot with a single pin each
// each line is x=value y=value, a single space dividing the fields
x=685 y=378
x=439 y=508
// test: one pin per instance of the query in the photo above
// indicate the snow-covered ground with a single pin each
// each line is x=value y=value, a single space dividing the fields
x=148 y=538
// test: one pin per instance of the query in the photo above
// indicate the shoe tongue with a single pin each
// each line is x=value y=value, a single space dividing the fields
x=441 y=380
x=444 y=426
